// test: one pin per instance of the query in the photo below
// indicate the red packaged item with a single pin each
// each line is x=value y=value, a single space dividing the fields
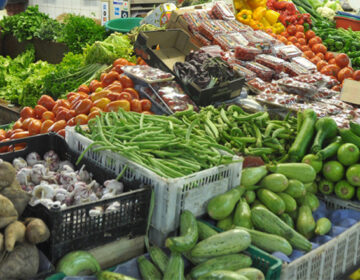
x=325 y=93
x=264 y=36
x=209 y=28
x=289 y=85
x=256 y=42
x=248 y=74
x=315 y=79
x=330 y=82
x=305 y=63
x=203 y=15
x=213 y=50
x=240 y=39
x=274 y=63
x=226 y=41
x=147 y=74
x=287 y=52
x=203 y=40
x=238 y=26
x=221 y=11
x=193 y=21
x=261 y=71
x=225 y=26
x=246 y=52
x=294 y=69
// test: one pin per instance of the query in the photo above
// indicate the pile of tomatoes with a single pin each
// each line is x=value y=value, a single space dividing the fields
x=326 y=62
x=114 y=90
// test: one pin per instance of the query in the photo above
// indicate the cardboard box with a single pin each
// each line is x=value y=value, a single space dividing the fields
x=351 y=92
x=105 y=11
x=160 y=15
x=119 y=9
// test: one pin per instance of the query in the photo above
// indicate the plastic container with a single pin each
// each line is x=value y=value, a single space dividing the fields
x=226 y=26
x=123 y=25
x=193 y=21
x=347 y=22
x=246 y=52
x=147 y=74
x=305 y=63
x=221 y=11
x=248 y=74
x=293 y=69
x=289 y=85
x=287 y=52
x=171 y=195
x=209 y=28
x=226 y=41
x=261 y=71
x=72 y=228
x=272 y=62
x=202 y=39
x=238 y=26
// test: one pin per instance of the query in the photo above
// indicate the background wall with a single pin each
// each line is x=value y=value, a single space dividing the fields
x=90 y=8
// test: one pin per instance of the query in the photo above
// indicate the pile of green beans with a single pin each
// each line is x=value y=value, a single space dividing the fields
x=244 y=133
x=164 y=144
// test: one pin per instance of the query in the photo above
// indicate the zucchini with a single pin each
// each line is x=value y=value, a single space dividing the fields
x=250 y=196
x=188 y=234
x=267 y=221
x=205 y=231
x=223 y=205
x=298 y=171
x=251 y=273
x=225 y=224
x=275 y=182
x=230 y=262
x=222 y=275
x=296 y=189
x=159 y=258
x=272 y=201
x=242 y=214
x=326 y=128
x=193 y=260
x=349 y=137
x=355 y=128
x=330 y=150
x=257 y=203
x=251 y=176
x=253 y=188
x=106 y=275
x=310 y=200
x=175 y=268
x=269 y=242
x=290 y=203
x=147 y=269
x=311 y=187
x=304 y=136
x=305 y=223
x=227 y=242
x=323 y=226
x=287 y=219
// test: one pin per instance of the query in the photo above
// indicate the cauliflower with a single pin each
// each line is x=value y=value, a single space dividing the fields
x=335 y=6
x=326 y=12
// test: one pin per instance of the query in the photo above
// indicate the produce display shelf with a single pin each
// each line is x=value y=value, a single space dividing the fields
x=172 y=196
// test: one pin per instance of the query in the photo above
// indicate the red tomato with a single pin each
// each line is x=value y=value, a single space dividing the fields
x=291 y=29
x=332 y=61
x=335 y=69
x=342 y=60
x=321 y=55
x=93 y=114
x=116 y=105
x=118 y=69
x=61 y=132
x=343 y=74
x=133 y=92
x=61 y=115
x=27 y=112
x=10 y=132
x=81 y=119
x=19 y=124
x=305 y=48
x=2 y=133
x=300 y=28
x=115 y=87
x=71 y=93
x=356 y=75
x=315 y=60
x=135 y=105
x=83 y=107
x=121 y=61
x=35 y=127
x=302 y=42
x=309 y=54
x=145 y=104
x=25 y=123
x=94 y=84
x=39 y=111
x=320 y=65
x=83 y=88
x=336 y=88
x=46 y=101
x=300 y=35
x=48 y=115
x=297 y=45
x=102 y=76
x=293 y=39
x=110 y=78
x=329 y=55
x=57 y=109
x=57 y=126
x=71 y=122
x=95 y=109
x=113 y=96
x=328 y=70
x=125 y=96
x=309 y=34
x=19 y=135
x=319 y=48
x=4 y=149
x=314 y=41
x=126 y=81
x=70 y=114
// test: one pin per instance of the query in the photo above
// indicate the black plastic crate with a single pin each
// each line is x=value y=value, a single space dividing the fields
x=73 y=228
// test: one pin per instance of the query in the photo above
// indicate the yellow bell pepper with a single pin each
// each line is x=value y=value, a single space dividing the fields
x=239 y=4
x=265 y=22
x=272 y=16
x=279 y=27
x=259 y=13
x=256 y=3
x=244 y=16
x=256 y=25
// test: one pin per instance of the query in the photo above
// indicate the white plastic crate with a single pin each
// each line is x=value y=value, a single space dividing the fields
x=331 y=260
x=171 y=195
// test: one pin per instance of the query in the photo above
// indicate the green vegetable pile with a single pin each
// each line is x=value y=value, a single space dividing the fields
x=142 y=28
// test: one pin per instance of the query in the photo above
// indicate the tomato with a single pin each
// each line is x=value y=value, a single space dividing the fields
x=39 y=110
x=125 y=96
x=319 y=48
x=61 y=103
x=133 y=92
x=95 y=109
x=48 y=115
x=343 y=74
x=121 y=61
x=291 y=29
x=305 y=48
x=309 y=34
x=27 y=112
x=102 y=102
x=2 y=133
x=336 y=88
x=300 y=35
x=19 y=124
x=83 y=107
x=293 y=39
x=321 y=55
x=302 y=42
x=70 y=114
x=145 y=104
x=71 y=93
x=342 y=60
x=136 y=105
x=126 y=81
x=314 y=41
x=297 y=45
x=71 y=122
x=118 y=69
x=61 y=115
x=115 y=105
x=113 y=96
x=315 y=60
x=320 y=65
x=116 y=87
x=57 y=126
x=46 y=101
x=356 y=75
x=94 y=84
x=328 y=70
x=19 y=135
x=57 y=109
x=35 y=127
x=83 y=88
x=25 y=123
x=100 y=94
x=110 y=78
x=329 y=55
x=283 y=39
x=332 y=61
x=300 y=28
x=93 y=115
x=61 y=132
x=10 y=132
x=335 y=69
x=81 y=119
x=309 y=54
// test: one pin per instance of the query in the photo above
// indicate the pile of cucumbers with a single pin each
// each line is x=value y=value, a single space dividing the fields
x=274 y=204
x=212 y=255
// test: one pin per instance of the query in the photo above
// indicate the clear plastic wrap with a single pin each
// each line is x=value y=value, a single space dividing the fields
x=193 y=21
x=272 y=62
x=330 y=82
x=238 y=26
x=315 y=79
x=147 y=74
x=239 y=38
x=246 y=52
x=203 y=15
x=261 y=71
x=305 y=63
x=264 y=36
x=325 y=93
x=209 y=28
x=230 y=41
x=227 y=28
x=213 y=50
x=221 y=11
x=256 y=42
x=248 y=74
x=293 y=69
x=202 y=39
x=287 y=52
x=289 y=85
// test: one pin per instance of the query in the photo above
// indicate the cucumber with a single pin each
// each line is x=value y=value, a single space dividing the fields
x=175 y=268
x=269 y=242
x=159 y=258
x=106 y=275
x=349 y=137
x=222 y=275
x=305 y=223
x=257 y=203
x=275 y=182
x=272 y=201
x=205 y=231
x=225 y=224
x=355 y=128
x=148 y=271
x=242 y=214
x=330 y=150
x=267 y=221
x=311 y=187
x=296 y=189
x=253 y=188
x=323 y=226
x=228 y=242
x=290 y=203
x=251 y=176
x=287 y=219
x=223 y=205
x=298 y=171
x=193 y=260
x=250 y=196
x=230 y=262
x=251 y=273
x=188 y=234
x=310 y=200
x=294 y=215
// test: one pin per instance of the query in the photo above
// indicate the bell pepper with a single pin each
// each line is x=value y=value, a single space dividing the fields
x=265 y=23
x=256 y=3
x=259 y=13
x=256 y=25
x=272 y=16
x=115 y=105
x=239 y=4
x=244 y=16
x=278 y=27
